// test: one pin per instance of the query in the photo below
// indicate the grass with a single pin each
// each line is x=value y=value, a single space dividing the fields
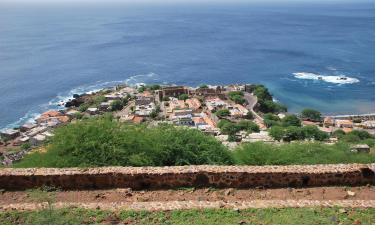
x=219 y=216
x=299 y=154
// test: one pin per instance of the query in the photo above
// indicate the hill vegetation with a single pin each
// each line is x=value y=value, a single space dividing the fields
x=298 y=153
x=106 y=142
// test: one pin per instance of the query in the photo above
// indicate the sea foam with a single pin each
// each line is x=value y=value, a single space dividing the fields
x=341 y=79
x=59 y=101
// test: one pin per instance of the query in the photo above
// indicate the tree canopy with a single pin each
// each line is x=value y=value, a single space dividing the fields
x=311 y=114
x=183 y=97
x=222 y=113
x=237 y=97
x=265 y=101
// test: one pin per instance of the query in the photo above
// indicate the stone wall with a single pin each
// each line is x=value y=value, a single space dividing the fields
x=189 y=176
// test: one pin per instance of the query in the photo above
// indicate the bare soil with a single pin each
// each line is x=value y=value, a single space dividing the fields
x=207 y=194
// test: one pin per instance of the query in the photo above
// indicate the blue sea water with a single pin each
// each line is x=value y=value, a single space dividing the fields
x=49 y=53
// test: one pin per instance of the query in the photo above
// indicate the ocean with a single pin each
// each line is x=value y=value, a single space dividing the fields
x=319 y=56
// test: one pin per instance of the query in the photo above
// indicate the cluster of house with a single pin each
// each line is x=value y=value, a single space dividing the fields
x=330 y=124
x=113 y=95
x=195 y=110
x=38 y=132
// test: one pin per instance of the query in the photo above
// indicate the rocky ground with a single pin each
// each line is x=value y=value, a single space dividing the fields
x=190 y=198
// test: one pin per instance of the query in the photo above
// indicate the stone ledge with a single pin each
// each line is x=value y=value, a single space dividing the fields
x=189 y=176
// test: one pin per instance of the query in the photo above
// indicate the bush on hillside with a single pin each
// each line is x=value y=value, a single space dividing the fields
x=231 y=128
x=222 y=113
x=292 y=133
x=297 y=153
x=237 y=97
x=311 y=114
x=103 y=142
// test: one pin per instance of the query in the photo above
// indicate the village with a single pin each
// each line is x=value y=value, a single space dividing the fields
x=206 y=108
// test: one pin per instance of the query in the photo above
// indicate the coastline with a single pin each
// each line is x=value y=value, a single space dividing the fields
x=59 y=101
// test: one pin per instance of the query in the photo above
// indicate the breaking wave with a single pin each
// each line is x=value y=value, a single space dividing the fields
x=59 y=101
x=341 y=79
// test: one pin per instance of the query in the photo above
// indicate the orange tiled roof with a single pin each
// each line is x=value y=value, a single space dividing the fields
x=137 y=119
x=209 y=121
x=347 y=130
x=193 y=103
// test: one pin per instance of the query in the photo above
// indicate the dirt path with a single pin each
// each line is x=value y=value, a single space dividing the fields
x=207 y=197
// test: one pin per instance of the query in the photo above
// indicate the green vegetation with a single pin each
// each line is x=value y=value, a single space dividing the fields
x=249 y=116
x=183 y=97
x=104 y=142
x=221 y=113
x=292 y=133
x=77 y=115
x=231 y=128
x=83 y=107
x=151 y=87
x=356 y=136
x=25 y=146
x=93 y=101
x=142 y=89
x=154 y=87
x=237 y=97
x=117 y=105
x=311 y=114
x=48 y=215
x=298 y=153
x=301 y=216
x=289 y=120
x=265 y=101
x=154 y=113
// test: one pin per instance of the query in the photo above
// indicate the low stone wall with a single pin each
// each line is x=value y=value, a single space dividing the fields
x=189 y=176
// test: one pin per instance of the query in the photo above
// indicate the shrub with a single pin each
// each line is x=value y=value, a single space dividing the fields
x=311 y=114
x=154 y=87
x=104 y=142
x=222 y=113
x=265 y=101
x=248 y=126
x=141 y=89
x=262 y=93
x=230 y=128
x=83 y=107
x=25 y=146
x=77 y=115
x=249 y=116
x=117 y=105
x=313 y=133
x=237 y=97
x=291 y=120
x=277 y=133
x=183 y=97
x=293 y=133
x=269 y=106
